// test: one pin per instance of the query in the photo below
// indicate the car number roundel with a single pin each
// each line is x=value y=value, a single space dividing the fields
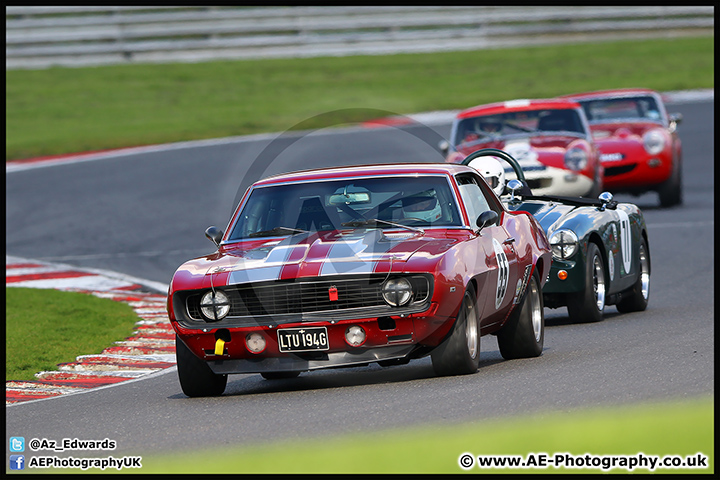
x=625 y=240
x=503 y=273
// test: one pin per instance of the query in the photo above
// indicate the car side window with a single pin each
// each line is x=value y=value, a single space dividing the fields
x=473 y=196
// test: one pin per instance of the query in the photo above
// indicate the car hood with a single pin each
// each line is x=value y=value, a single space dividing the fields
x=549 y=214
x=532 y=153
x=361 y=251
x=621 y=130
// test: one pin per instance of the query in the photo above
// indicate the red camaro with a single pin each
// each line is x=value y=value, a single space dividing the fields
x=638 y=141
x=549 y=138
x=348 y=266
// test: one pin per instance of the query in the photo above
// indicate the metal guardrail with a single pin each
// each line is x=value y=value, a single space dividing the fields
x=39 y=37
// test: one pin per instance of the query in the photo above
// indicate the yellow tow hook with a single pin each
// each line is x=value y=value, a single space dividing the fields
x=219 y=346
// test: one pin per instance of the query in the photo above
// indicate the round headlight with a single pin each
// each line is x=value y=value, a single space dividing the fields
x=397 y=292
x=576 y=159
x=214 y=305
x=564 y=244
x=654 y=142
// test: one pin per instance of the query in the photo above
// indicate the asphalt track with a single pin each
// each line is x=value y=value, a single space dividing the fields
x=144 y=214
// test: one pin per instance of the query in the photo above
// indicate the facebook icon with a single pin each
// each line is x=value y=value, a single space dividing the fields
x=17 y=462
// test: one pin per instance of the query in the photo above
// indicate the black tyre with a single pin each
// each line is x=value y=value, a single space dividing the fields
x=671 y=192
x=196 y=378
x=459 y=353
x=636 y=299
x=279 y=375
x=588 y=305
x=523 y=335
x=597 y=188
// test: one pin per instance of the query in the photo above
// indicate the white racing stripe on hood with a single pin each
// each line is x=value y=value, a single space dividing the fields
x=260 y=274
x=262 y=264
x=357 y=255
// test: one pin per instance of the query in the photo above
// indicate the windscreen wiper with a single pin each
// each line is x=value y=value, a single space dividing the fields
x=278 y=231
x=374 y=222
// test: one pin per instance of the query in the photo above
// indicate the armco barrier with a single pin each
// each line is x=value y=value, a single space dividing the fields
x=39 y=37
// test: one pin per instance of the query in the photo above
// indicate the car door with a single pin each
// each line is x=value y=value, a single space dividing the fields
x=500 y=272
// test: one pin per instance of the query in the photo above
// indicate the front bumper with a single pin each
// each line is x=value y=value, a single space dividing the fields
x=575 y=281
x=642 y=174
x=303 y=362
x=629 y=166
x=226 y=350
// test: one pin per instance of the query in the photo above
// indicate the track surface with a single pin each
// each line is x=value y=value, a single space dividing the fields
x=145 y=214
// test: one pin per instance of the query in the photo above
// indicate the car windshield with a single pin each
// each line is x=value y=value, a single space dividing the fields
x=488 y=127
x=621 y=108
x=384 y=202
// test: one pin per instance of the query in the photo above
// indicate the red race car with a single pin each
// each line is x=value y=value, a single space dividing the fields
x=638 y=141
x=348 y=266
x=550 y=139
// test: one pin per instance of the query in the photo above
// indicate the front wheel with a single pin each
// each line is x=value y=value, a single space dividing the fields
x=459 y=354
x=523 y=335
x=670 y=195
x=671 y=192
x=636 y=299
x=196 y=377
x=588 y=305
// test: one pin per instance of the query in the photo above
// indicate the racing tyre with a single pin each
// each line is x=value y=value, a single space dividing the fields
x=636 y=299
x=459 y=354
x=671 y=192
x=523 y=335
x=196 y=378
x=587 y=306
x=279 y=375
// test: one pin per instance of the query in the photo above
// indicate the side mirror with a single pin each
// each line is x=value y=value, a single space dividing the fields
x=214 y=234
x=514 y=185
x=486 y=218
x=605 y=199
x=444 y=147
x=674 y=119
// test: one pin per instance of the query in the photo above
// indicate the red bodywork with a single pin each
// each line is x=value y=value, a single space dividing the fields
x=628 y=166
x=549 y=147
x=457 y=258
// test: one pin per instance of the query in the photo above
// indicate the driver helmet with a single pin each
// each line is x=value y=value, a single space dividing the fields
x=489 y=125
x=491 y=168
x=423 y=206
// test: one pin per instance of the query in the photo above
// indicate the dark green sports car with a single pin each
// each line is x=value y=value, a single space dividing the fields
x=600 y=247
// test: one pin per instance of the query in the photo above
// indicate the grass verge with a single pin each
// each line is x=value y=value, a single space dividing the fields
x=678 y=428
x=47 y=327
x=67 y=110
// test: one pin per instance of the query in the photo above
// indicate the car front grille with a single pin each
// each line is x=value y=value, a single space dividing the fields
x=308 y=296
x=610 y=171
x=537 y=183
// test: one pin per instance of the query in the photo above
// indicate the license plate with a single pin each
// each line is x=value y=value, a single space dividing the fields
x=303 y=339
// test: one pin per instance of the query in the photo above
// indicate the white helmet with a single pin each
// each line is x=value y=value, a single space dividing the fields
x=423 y=206
x=491 y=168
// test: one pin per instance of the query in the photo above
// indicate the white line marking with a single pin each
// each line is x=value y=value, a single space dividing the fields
x=708 y=223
